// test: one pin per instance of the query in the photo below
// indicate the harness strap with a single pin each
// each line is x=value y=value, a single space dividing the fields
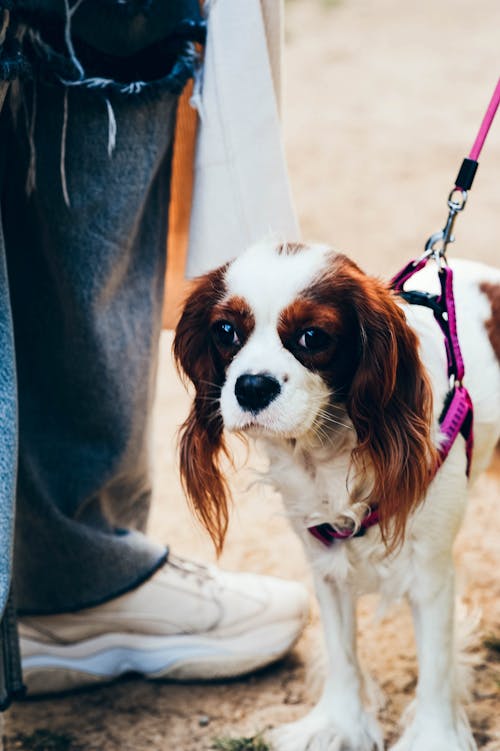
x=457 y=418
x=327 y=534
x=398 y=280
x=443 y=307
x=448 y=324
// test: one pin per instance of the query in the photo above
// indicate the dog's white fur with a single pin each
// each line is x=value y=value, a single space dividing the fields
x=311 y=473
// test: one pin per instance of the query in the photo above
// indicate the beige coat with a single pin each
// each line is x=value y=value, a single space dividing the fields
x=229 y=179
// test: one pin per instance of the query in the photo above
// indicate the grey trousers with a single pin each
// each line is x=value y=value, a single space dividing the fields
x=84 y=185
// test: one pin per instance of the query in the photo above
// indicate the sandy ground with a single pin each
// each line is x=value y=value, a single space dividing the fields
x=382 y=101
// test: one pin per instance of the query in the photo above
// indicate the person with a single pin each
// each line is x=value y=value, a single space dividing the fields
x=88 y=99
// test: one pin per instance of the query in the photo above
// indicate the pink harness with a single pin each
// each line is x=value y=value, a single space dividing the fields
x=457 y=415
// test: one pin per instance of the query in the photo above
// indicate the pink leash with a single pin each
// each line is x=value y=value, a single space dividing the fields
x=457 y=415
x=469 y=166
x=486 y=124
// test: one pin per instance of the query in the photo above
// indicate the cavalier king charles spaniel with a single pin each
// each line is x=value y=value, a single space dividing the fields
x=344 y=383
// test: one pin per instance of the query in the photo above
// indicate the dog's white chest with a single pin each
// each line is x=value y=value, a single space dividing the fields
x=314 y=492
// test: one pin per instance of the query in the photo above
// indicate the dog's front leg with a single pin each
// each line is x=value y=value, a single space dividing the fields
x=339 y=722
x=439 y=722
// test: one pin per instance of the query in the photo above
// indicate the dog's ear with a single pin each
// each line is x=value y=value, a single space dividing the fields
x=201 y=441
x=390 y=405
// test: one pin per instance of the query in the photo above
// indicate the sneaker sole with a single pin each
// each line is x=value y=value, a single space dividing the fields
x=52 y=669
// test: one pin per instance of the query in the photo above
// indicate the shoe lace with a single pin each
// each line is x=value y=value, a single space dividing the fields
x=186 y=568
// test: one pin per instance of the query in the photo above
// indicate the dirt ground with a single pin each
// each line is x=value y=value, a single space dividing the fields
x=382 y=101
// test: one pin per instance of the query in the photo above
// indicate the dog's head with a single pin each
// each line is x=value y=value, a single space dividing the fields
x=273 y=343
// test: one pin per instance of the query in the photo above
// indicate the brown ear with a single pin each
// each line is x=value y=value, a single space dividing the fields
x=390 y=405
x=201 y=441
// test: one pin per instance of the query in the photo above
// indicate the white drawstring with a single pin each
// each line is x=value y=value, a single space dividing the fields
x=67 y=35
x=63 y=150
x=111 y=128
x=30 y=128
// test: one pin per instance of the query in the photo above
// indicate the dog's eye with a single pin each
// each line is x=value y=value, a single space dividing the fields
x=313 y=339
x=225 y=334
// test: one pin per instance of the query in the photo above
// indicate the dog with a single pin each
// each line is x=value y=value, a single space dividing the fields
x=344 y=383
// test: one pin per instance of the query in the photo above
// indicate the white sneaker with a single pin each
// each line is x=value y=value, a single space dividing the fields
x=188 y=622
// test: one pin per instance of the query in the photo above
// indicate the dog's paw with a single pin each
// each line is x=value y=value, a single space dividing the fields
x=427 y=735
x=422 y=742
x=317 y=732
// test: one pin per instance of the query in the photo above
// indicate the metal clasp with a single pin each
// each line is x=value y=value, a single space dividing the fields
x=438 y=242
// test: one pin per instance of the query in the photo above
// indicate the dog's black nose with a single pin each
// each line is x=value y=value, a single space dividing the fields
x=254 y=392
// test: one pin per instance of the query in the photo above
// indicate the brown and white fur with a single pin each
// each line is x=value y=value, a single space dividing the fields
x=349 y=416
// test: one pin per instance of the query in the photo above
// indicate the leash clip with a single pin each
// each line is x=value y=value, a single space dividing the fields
x=437 y=243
